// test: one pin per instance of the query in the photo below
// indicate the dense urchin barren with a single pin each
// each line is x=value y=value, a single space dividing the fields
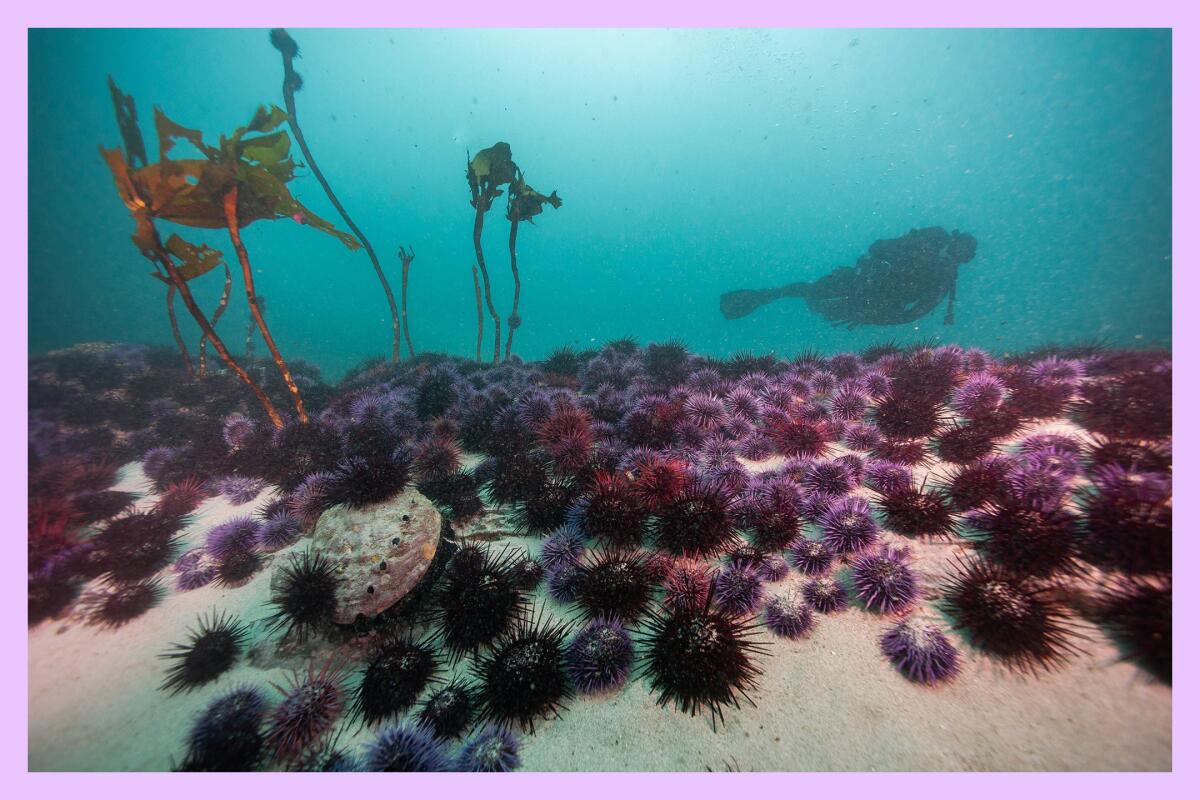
x=725 y=471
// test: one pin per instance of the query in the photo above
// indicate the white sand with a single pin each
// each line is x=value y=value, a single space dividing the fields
x=829 y=702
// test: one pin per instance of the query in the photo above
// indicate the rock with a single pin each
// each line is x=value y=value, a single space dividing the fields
x=380 y=552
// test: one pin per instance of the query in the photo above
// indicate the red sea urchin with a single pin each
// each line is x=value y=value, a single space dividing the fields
x=614 y=584
x=917 y=512
x=698 y=522
x=611 y=510
x=1011 y=619
x=1035 y=539
x=305 y=596
x=310 y=706
x=1137 y=615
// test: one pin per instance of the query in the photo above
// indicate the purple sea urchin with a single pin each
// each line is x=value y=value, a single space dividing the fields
x=237 y=535
x=738 y=589
x=493 y=749
x=826 y=595
x=278 y=531
x=773 y=568
x=848 y=526
x=810 y=556
x=599 y=657
x=980 y=395
x=788 y=616
x=564 y=546
x=227 y=735
x=406 y=748
x=884 y=581
x=920 y=651
x=238 y=489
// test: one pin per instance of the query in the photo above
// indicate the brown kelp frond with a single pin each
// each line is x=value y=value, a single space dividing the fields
x=127 y=121
x=191 y=191
x=149 y=190
x=490 y=169
x=525 y=202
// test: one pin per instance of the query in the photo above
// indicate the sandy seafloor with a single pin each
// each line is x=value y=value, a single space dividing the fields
x=828 y=702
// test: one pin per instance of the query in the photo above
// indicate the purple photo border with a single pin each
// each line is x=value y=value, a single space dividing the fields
x=20 y=15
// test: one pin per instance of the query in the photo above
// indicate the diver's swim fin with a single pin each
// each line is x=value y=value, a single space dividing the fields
x=740 y=302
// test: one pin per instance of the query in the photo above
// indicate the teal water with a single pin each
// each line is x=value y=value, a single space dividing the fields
x=690 y=163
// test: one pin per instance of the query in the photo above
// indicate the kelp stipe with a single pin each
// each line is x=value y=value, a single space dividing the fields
x=292 y=83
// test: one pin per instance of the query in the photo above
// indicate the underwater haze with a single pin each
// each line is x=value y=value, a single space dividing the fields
x=690 y=163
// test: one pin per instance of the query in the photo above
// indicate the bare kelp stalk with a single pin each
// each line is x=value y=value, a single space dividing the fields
x=183 y=351
x=292 y=83
x=524 y=203
x=231 y=216
x=224 y=302
x=406 y=260
x=479 y=314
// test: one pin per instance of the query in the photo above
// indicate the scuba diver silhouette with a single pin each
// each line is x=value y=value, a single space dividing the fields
x=897 y=281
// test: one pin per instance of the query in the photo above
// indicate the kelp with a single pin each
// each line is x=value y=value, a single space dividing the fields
x=490 y=169
x=406 y=260
x=237 y=182
x=292 y=83
x=222 y=304
x=195 y=260
x=524 y=203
